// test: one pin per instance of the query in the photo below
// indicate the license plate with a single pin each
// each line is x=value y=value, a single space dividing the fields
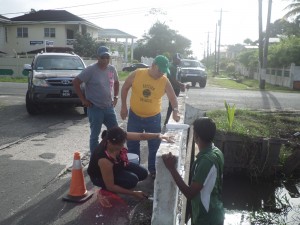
x=192 y=75
x=66 y=93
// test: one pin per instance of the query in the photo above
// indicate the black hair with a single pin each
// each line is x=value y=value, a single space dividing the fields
x=205 y=129
x=115 y=135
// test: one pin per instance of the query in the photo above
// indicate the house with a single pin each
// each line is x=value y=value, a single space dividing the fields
x=3 y=33
x=118 y=37
x=32 y=32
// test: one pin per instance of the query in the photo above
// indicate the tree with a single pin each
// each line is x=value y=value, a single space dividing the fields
x=248 y=41
x=282 y=27
x=294 y=9
x=85 y=45
x=160 y=39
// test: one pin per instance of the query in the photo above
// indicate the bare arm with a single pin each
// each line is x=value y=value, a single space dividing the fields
x=106 y=168
x=173 y=99
x=171 y=95
x=143 y=136
x=76 y=84
x=124 y=92
x=188 y=191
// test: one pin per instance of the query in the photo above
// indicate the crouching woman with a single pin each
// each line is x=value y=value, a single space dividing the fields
x=109 y=167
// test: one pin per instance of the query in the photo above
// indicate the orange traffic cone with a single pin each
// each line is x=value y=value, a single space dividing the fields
x=78 y=192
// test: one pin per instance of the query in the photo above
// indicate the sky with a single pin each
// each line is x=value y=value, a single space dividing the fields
x=191 y=18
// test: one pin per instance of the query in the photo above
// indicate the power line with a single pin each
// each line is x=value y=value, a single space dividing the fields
x=67 y=7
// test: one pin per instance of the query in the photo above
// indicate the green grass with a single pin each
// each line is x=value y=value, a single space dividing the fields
x=123 y=75
x=13 y=79
x=257 y=124
x=226 y=81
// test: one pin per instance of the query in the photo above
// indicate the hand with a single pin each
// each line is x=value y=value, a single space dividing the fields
x=124 y=112
x=169 y=139
x=115 y=101
x=176 y=117
x=182 y=87
x=169 y=161
x=86 y=103
x=139 y=195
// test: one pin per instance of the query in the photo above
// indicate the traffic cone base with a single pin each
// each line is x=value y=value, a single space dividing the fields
x=78 y=199
x=78 y=192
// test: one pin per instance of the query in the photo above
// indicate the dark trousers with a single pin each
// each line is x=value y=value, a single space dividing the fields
x=170 y=109
x=127 y=178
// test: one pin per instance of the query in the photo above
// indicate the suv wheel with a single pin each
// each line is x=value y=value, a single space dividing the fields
x=202 y=84
x=32 y=108
x=193 y=84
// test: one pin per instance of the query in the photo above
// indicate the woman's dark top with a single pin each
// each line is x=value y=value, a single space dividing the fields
x=100 y=153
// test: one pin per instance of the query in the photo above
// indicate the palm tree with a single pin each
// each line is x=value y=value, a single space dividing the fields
x=294 y=9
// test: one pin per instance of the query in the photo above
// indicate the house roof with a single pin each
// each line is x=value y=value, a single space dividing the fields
x=4 y=19
x=114 y=33
x=51 y=16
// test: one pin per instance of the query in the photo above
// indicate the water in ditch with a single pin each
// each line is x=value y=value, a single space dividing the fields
x=261 y=202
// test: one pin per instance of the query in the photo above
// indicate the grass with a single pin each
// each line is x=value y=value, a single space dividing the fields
x=257 y=124
x=122 y=77
x=13 y=79
x=226 y=81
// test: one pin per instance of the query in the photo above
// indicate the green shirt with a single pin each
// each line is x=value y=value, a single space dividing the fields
x=207 y=170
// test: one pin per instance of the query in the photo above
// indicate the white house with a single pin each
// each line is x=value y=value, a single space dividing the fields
x=30 y=33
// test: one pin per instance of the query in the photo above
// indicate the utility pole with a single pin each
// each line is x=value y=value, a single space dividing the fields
x=219 y=45
x=260 y=40
x=266 y=47
x=207 y=52
x=216 y=37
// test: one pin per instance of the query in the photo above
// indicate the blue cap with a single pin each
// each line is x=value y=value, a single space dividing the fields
x=102 y=50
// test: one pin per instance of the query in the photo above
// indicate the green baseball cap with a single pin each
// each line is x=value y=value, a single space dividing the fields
x=163 y=63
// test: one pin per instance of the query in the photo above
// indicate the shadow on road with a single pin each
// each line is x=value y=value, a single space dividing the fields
x=269 y=98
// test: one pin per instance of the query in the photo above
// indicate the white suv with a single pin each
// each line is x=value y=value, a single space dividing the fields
x=50 y=80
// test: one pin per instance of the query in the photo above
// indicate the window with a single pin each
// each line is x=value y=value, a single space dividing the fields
x=22 y=32
x=49 y=32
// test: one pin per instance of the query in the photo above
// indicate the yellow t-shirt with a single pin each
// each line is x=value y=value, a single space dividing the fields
x=147 y=93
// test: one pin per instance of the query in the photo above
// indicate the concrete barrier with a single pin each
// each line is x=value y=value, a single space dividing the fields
x=166 y=196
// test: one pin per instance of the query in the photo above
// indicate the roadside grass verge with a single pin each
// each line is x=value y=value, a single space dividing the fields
x=13 y=79
x=122 y=77
x=241 y=83
x=257 y=124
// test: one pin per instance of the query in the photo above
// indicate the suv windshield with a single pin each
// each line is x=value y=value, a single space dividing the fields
x=58 y=62
x=190 y=63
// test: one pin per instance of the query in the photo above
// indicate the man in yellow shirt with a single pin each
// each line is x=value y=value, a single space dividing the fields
x=148 y=86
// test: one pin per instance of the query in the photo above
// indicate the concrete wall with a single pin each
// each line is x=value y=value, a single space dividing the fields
x=284 y=77
x=166 y=209
x=2 y=38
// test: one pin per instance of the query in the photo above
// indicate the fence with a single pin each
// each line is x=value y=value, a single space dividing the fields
x=14 y=66
x=284 y=77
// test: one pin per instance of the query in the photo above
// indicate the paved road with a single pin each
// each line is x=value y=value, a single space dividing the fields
x=34 y=151
x=213 y=98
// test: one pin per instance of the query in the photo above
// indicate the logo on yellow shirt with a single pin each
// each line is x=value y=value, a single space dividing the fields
x=146 y=93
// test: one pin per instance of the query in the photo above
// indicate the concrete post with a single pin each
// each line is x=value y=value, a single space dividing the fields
x=80 y=28
x=126 y=50
x=165 y=189
x=131 y=58
x=292 y=72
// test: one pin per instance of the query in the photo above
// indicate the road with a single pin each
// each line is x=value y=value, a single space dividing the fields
x=34 y=150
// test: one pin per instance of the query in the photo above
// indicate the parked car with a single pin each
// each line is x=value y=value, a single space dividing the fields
x=193 y=71
x=135 y=66
x=50 y=80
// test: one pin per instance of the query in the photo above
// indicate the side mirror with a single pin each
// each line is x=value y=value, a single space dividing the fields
x=27 y=67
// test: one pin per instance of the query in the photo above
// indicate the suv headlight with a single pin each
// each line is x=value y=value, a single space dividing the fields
x=40 y=82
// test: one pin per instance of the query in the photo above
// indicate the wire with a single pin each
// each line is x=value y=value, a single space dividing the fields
x=67 y=7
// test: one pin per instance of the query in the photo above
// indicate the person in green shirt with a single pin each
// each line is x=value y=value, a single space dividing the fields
x=207 y=175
